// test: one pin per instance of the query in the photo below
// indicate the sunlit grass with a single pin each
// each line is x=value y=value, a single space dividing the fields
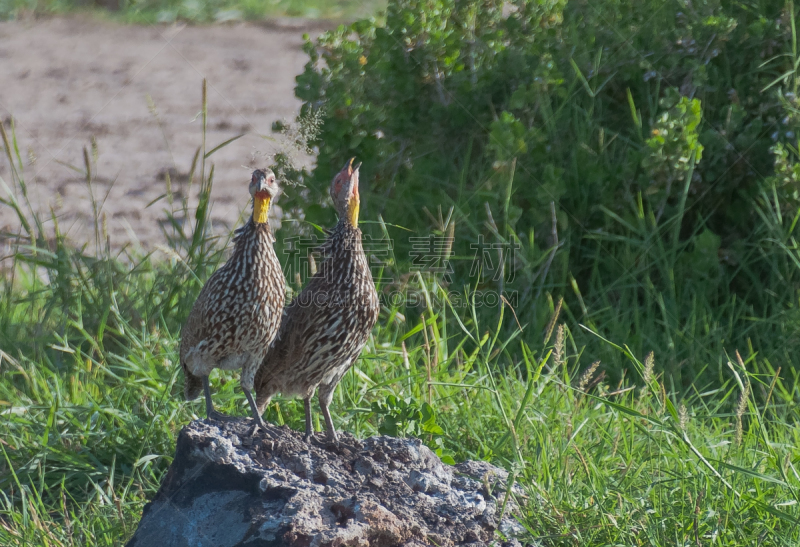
x=208 y=11
x=90 y=399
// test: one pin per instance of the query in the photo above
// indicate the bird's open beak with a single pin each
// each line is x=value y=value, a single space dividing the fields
x=354 y=171
x=349 y=169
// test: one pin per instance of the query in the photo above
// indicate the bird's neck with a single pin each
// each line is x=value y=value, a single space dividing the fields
x=252 y=232
x=351 y=215
x=345 y=242
x=342 y=250
x=346 y=228
x=260 y=209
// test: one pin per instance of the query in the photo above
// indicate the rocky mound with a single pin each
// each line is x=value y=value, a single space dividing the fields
x=226 y=488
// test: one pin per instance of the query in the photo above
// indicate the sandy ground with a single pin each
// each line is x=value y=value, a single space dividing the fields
x=68 y=82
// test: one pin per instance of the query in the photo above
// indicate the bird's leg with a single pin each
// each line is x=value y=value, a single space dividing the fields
x=257 y=417
x=325 y=397
x=309 y=428
x=212 y=414
x=248 y=376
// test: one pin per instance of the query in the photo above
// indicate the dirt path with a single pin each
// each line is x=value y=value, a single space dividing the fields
x=67 y=82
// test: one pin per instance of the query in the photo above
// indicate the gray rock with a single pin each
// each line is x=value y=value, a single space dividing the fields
x=226 y=488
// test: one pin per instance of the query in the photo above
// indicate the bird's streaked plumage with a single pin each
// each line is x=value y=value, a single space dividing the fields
x=237 y=314
x=326 y=326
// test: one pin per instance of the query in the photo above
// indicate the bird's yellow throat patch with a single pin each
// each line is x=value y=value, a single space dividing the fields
x=352 y=210
x=260 y=209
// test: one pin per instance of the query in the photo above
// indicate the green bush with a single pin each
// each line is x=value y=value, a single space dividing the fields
x=653 y=127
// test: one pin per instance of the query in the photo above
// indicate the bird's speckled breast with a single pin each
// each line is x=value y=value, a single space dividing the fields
x=346 y=307
x=245 y=308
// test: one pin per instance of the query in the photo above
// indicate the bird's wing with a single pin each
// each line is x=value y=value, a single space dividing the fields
x=298 y=323
x=194 y=331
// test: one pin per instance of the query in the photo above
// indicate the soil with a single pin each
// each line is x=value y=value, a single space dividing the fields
x=80 y=83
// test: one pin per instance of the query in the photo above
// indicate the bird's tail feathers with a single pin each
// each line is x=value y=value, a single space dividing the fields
x=262 y=400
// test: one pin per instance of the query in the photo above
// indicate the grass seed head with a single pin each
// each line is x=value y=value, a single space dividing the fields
x=559 y=357
x=648 y=375
x=587 y=376
x=740 y=410
x=683 y=416
x=548 y=332
x=649 y=365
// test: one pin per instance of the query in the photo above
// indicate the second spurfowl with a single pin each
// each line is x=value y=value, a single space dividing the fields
x=325 y=327
x=237 y=314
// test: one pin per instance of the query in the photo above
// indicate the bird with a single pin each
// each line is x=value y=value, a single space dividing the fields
x=238 y=312
x=327 y=324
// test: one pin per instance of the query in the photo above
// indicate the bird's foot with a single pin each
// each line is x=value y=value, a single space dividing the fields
x=327 y=442
x=219 y=417
x=332 y=442
x=271 y=431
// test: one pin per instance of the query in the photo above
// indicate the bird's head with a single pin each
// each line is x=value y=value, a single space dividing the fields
x=344 y=192
x=263 y=188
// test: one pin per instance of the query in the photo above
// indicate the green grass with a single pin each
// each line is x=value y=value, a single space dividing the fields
x=90 y=399
x=198 y=11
